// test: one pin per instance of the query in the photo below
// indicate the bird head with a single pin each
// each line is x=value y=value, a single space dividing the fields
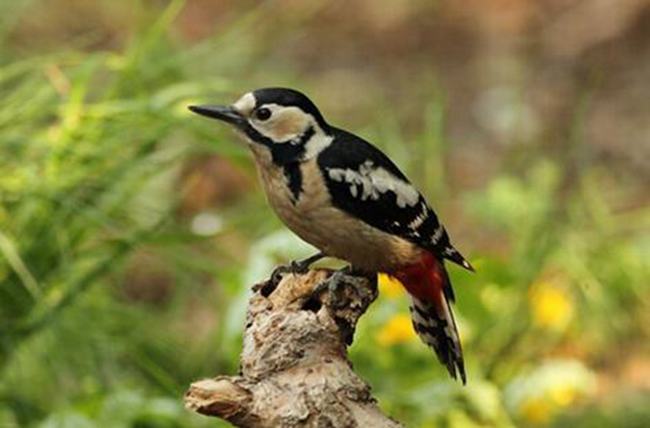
x=283 y=120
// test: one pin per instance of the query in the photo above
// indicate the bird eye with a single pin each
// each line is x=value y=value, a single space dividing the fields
x=262 y=113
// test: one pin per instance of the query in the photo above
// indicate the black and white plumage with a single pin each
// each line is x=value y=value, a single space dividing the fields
x=364 y=182
x=344 y=196
x=436 y=326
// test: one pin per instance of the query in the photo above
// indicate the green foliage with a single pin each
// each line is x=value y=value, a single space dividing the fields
x=92 y=150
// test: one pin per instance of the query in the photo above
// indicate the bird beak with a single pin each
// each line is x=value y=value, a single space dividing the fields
x=224 y=113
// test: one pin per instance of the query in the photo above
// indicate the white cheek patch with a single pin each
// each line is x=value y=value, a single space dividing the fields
x=286 y=124
x=375 y=181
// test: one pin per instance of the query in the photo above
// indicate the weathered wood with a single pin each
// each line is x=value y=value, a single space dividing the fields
x=294 y=366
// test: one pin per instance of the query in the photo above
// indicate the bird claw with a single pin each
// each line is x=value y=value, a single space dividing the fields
x=292 y=267
x=295 y=267
x=332 y=285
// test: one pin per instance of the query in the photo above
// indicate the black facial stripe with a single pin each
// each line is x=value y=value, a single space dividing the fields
x=294 y=179
x=283 y=152
x=291 y=151
x=256 y=136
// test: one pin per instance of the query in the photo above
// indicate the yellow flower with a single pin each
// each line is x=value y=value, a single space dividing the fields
x=563 y=395
x=539 y=396
x=389 y=286
x=551 y=305
x=397 y=330
x=536 y=410
x=541 y=409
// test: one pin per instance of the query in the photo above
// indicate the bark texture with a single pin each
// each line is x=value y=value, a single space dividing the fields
x=294 y=366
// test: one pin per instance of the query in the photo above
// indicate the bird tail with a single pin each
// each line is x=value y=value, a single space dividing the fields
x=433 y=319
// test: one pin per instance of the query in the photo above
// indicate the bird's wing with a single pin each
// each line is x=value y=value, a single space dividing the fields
x=365 y=183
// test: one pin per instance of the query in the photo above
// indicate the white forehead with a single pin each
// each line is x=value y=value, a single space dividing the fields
x=246 y=103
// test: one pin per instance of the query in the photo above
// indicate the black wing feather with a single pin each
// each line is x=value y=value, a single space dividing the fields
x=417 y=223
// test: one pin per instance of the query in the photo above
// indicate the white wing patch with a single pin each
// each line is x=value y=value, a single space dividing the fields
x=417 y=222
x=375 y=181
x=437 y=234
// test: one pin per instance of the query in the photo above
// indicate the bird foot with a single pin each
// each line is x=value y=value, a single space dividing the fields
x=294 y=267
x=333 y=285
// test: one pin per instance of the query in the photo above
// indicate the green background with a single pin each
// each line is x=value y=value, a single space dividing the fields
x=131 y=230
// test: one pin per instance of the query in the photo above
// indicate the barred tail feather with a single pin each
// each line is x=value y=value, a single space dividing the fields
x=433 y=320
x=436 y=327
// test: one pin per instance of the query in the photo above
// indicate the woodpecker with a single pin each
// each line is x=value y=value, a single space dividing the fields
x=344 y=196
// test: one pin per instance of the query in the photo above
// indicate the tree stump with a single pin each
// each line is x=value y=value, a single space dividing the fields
x=294 y=366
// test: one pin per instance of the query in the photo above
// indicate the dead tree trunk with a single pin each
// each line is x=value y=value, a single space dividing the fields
x=294 y=366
